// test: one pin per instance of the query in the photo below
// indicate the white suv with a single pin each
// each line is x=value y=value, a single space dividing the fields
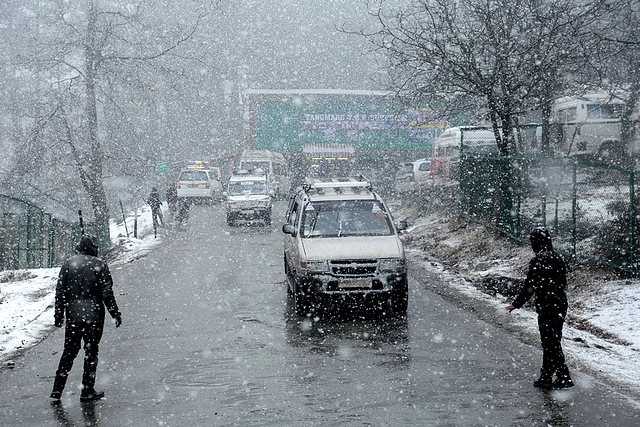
x=200 y=184
x=248 y=198
x=341 y=243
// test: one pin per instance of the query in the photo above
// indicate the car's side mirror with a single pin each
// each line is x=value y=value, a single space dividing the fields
x=402 y=225
x=225 y=194
x=289 y=229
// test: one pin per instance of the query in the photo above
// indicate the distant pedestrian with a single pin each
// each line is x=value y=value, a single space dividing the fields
x=172 y=199
x=184 y=204
x=547 y=279
x=83 y=290
x=156 y=209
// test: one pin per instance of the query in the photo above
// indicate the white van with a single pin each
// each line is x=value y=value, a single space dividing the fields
x=447 y=148
x=273 y=164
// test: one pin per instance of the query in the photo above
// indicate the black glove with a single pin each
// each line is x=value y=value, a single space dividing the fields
x=118 y=320
x=58 y=322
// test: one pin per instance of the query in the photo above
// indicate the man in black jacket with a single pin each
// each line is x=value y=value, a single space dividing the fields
x=83 y=290
x=547 y=279
x=156 y=209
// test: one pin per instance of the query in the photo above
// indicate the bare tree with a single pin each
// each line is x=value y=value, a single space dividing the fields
x=507 y=57
x=620 y=59
x=82 y=54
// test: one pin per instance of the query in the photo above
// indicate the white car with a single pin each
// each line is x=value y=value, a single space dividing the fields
x=200 y=184
x=248 y=198
x=410 y=175
x=341 y=244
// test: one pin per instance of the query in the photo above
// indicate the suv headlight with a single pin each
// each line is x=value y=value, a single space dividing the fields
x=315 y=266
x=391 y=264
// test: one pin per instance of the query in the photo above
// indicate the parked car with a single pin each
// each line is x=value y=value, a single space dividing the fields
x=409 y=174
x=341 y=244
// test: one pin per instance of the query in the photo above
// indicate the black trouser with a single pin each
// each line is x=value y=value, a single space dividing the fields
x=156 y=215
x=74 y=334
x=550 y=325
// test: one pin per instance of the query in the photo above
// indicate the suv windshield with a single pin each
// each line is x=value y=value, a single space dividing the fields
x=345 y=218
x=238 y=188
x=193 y=176
x=251 y=165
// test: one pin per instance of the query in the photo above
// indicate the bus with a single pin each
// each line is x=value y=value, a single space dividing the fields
x=587 y=124
x=273 y=164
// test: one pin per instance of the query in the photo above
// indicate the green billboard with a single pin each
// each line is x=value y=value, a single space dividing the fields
x=367 y=124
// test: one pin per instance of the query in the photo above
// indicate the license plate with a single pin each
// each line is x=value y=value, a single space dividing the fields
x=355 y=283
x=193 y=185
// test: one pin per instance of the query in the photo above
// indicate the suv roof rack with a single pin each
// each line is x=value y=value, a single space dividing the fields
x=358 y=181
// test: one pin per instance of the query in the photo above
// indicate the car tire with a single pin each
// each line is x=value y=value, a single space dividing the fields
x=300 y=301
x=301 y=304
x=400 y=303
x=400 y=299
x=287 y=272
x=230 y=220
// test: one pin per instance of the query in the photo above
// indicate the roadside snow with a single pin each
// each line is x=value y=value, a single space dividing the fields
x=26 y=296
x=612 y=307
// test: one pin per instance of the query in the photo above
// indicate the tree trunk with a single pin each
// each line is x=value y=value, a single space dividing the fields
x=627 y=125
x=95 y=156
x=545 y=149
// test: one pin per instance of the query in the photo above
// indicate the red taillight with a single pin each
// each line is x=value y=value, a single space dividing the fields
x=207 y=185
x=178 y=184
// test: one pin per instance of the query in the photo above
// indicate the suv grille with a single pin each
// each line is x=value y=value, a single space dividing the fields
x=354 y=268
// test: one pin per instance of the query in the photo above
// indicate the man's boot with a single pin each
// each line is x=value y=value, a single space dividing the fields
x=545 y=380
x=58 y=385
x=564 y=379
x=89 y=379
x=89 y=395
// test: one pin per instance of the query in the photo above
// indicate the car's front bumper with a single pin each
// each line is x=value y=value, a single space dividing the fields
x=326 y=284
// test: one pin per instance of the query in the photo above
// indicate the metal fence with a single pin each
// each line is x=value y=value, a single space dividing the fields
x=32 y=238
x=590 y=208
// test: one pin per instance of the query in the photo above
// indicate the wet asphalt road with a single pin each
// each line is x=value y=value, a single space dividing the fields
x=208 y=339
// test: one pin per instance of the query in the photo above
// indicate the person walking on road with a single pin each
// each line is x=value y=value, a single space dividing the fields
x=547 y=279
x=172 y=199
x=83 y=290
x=156 y=209
x=184 y=204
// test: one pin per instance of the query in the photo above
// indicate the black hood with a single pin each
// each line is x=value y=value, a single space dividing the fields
x=540 y=239
x=87 y=245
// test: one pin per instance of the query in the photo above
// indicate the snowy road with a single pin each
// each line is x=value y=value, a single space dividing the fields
x=208 y=339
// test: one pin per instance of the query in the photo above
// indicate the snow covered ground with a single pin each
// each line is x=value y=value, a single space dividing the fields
x=598 y=302
x=612 y=306
x=26 y=296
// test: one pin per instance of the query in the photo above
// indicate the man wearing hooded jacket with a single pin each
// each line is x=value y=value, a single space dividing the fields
x=83 y=290
x=547 y=279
